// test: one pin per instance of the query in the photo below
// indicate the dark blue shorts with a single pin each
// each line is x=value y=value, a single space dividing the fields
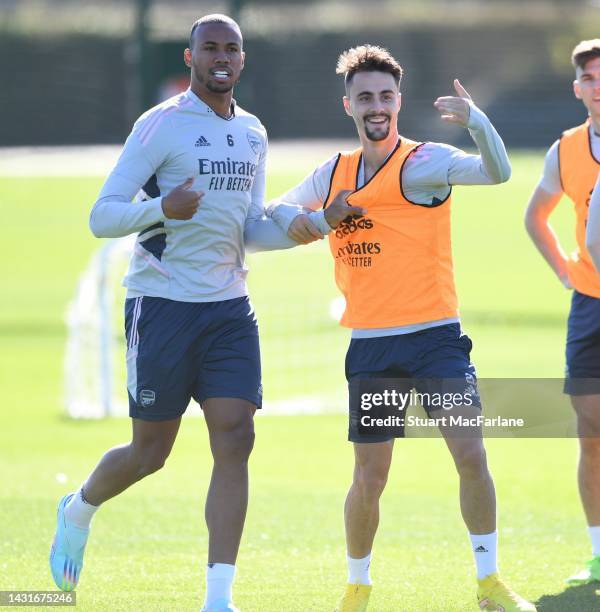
x=582 y=374
x=427 y=360
x=182 y=350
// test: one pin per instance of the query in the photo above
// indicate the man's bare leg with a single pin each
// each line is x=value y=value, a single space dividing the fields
x=361 y=511
x=587 y=408
x=123 y=465
x=478 y=508
x=477 y=493
x=231 y=429
x=118 y=469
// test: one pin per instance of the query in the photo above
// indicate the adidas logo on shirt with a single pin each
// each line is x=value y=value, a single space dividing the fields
x=202 y=142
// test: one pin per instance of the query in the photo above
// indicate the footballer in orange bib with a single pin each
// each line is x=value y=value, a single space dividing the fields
x=571 y=167
x=386 y=210
x=578 y=168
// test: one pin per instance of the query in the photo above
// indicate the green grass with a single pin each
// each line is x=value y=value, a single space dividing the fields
x=149 y=545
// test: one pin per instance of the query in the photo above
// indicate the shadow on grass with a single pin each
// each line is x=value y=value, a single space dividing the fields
x=582 y=598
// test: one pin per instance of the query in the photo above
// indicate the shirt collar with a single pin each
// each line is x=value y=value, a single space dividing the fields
x=206 y=109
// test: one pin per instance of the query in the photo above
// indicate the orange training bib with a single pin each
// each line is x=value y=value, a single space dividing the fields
x=578 y=174
x=394 y=266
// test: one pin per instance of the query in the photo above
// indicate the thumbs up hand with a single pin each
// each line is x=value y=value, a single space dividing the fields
x=455 y=109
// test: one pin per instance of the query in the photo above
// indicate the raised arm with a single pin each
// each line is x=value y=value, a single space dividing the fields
x=592 y=233
x=543 y=201
x=492 y=165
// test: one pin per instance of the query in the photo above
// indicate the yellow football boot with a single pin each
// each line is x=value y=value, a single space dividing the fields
x=355 y=598
x=493 y=594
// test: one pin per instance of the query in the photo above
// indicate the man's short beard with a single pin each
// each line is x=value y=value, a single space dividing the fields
x=376 y=137
x=212 y=86
x=216 y=88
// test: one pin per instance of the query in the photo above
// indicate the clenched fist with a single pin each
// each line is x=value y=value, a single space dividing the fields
x=303 y=230
x=182 y=202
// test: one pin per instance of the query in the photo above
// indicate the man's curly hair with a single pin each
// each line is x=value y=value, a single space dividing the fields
x=367 y=58
x=585 y=51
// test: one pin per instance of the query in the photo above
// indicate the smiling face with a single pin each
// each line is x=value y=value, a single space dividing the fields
x=216 y=58
x=587 y=86
x=373 y=101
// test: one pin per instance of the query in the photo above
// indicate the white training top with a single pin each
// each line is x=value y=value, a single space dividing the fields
x=201 y=259
x=428 y=176
x=550 y=180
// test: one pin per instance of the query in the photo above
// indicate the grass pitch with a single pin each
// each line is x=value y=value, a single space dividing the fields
x=148 y=546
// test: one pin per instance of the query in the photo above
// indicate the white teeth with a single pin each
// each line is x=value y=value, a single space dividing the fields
x=221 y=74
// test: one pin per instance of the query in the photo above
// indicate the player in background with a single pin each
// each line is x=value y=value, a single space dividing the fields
x=394 y=267
x=571 y=166
x=190 y=328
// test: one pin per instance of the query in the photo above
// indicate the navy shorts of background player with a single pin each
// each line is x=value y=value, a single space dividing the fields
x=583 y=346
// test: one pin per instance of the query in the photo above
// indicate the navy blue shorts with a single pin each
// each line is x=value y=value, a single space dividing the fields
x=182 y=350
x=427 y=360
x=582 y=374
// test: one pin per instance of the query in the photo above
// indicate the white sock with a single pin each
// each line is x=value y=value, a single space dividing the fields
x=219 y=580
x=485 y=553
x=78 y=511
x=358 y=570
x=595 y=538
